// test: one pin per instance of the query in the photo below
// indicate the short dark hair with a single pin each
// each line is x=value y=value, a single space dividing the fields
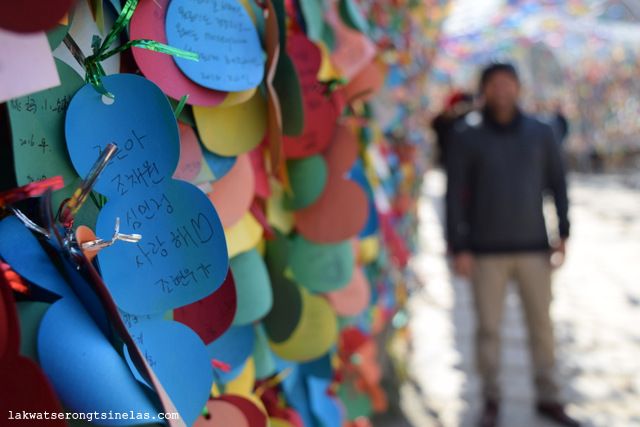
x=496 y=67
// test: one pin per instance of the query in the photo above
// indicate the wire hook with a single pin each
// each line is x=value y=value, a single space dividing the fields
x=85 y=188
x=96 y=245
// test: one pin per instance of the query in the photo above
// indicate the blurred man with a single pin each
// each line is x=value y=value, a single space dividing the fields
x=499 y=167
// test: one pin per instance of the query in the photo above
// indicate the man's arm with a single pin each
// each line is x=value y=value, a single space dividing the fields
x=556 y=181
x=458 y=172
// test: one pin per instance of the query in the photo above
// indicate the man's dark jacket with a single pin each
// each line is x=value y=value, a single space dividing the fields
x=497 y=177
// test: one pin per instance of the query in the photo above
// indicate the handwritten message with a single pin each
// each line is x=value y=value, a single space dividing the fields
x=222 y=33
x=182 y=255
x=149 y=23
x=186 y=379
x=37 y=127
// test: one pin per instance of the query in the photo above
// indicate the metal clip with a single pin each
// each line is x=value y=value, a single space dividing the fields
x=62 y=234
x=96 y=245
x=75 y=50
x=30 y=224
x=83 y=192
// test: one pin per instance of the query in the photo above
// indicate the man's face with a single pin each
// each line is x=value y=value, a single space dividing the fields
x=501 y=91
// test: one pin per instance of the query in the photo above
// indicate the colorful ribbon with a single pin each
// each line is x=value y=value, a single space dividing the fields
x=30 y=190
x=93 y=63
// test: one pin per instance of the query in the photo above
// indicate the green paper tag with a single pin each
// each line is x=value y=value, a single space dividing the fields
x=37 y=127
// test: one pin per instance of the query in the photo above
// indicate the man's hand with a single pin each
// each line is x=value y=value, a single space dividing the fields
x=558 y=252
x=463 y=264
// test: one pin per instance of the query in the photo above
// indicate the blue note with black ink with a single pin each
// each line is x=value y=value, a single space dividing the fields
x=179 y=359
x=182 y=256
x=225 y=38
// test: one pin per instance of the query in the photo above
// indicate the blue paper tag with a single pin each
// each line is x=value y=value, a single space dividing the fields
x=295 y=389
x=233 y=348
x=85 y=370
x=357 y=174
x=140 y=122
x=324 y=407
x=225 y=38
x=219 y=165
x=182 y=256
x=179 y=359
x=20 y=249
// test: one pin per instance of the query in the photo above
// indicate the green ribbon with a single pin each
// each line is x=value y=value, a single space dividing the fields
x=332 y=85
x=205 y=413
x=93 y=63
x=180 y=106
x=222 y=388
x=98 y=199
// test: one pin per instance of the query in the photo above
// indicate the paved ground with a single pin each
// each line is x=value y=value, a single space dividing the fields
x=596 y=312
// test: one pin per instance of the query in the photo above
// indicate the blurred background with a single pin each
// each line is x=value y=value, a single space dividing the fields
x=406 y=358
x=579 y=59
x=577 y=56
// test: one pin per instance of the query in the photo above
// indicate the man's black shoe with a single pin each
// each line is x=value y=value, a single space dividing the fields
x=555 y=412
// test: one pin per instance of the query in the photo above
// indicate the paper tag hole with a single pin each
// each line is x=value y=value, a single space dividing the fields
x=106 y=100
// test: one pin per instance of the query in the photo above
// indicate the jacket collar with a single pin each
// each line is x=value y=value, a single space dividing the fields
x=511 y=126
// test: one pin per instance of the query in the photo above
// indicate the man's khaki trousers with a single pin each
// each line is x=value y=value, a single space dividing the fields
x=532 y=272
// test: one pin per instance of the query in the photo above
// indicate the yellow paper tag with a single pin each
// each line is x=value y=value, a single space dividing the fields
x=243 y=384
x=314 y=335
x=245 y=235
x=369 y=249
x=277 y=216
x=327 y=70
x=233 y=130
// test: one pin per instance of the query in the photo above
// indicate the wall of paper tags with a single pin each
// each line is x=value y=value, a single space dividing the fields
x=208 y=207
